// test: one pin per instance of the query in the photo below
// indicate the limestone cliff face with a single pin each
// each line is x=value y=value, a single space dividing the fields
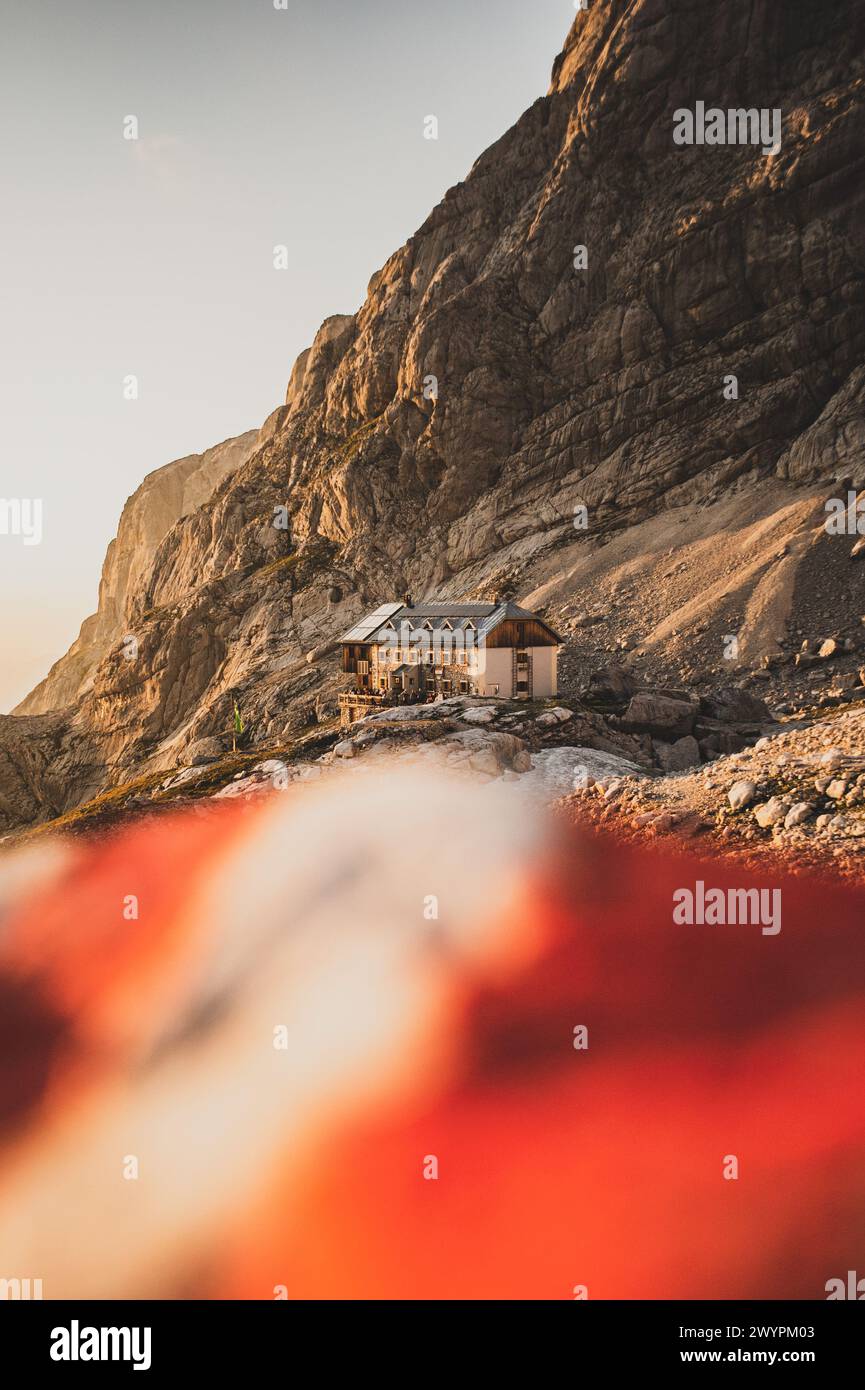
x=165 y=495
x=553 y=386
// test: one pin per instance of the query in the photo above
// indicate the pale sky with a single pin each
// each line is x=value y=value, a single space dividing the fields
x=257 y=127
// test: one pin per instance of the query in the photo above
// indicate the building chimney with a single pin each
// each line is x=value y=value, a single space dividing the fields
x=407 y=601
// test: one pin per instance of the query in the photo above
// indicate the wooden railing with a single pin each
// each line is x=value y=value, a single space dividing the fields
x=365 y=697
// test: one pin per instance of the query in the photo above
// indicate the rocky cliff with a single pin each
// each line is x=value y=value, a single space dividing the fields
x=166 y=495
x=557 y=343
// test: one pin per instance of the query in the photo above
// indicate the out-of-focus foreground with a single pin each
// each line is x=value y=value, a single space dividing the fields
x=399 y=1036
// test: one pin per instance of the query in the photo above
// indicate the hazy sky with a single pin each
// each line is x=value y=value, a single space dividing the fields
x=154 y=257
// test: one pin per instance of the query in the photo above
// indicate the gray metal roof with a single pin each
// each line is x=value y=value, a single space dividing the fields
x=485 y=617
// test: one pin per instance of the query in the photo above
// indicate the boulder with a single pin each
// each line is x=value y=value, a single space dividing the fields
x=204 y=750
x=612 y=685
x=741 y=794
x=772 y=812
x=478 y=716
x=555 y=716
x=733 y=705
x=659 y=715
x=676 y=757
x=724 y=741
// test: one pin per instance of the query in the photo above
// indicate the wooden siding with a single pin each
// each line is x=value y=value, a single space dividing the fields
x=352 y=652
x=516 y=632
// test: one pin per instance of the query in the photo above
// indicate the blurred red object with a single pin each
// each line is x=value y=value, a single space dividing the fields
x=326 y=1048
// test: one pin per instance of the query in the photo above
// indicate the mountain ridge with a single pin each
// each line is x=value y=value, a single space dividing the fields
x=556 y=388
x=163 y=496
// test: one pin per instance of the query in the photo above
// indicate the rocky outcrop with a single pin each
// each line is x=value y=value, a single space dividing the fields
x=499 y=382
x=796 y=797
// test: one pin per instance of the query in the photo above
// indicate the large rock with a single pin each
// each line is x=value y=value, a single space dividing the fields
x=733 y=705
x=611 y=685
x=659 y=715
x=772 y=812
x=741 y=794
x=678 y=756
x=724 y=742
x=204 y=750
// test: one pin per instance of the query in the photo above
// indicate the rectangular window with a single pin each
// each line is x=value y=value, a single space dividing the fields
x=464 y=685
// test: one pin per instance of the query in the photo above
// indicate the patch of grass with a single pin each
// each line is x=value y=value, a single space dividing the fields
x=353 y=444
x=99 y=807
x=279 y=569
x=302 y=565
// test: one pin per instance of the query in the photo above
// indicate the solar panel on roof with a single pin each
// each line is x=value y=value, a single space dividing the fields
x=368 y=625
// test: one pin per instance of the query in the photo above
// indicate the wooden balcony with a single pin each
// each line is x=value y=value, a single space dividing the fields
x=355 y=704
x=372 y=698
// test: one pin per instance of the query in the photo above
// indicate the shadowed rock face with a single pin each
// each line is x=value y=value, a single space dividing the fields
x=556 y=387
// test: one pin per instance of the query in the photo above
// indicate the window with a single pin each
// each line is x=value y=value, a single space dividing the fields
x=363 y=668
x=464 y=685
